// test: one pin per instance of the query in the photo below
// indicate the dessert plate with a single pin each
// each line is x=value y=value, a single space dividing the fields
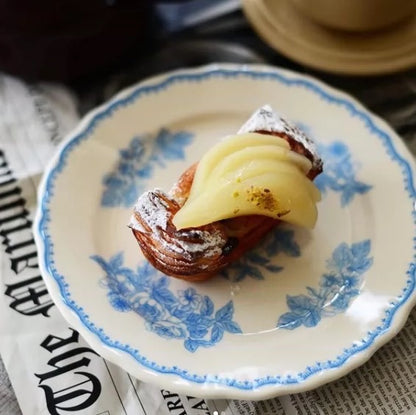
x=280 y=24
x=302 y=309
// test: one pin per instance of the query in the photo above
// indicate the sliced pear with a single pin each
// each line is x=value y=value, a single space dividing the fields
x=228 y=146
x=250 y=174
x=283 y=171
x=269 y=194
x=244 y=157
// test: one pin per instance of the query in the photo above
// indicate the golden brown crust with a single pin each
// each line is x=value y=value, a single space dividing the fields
x=191 y=254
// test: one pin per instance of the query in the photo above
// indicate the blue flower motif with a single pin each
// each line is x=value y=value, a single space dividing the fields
x=170 y=146
x=147 y=307
x=123 y=185
x=188 y=315
x=337 y=288
x=339 y=172
x=190 y=298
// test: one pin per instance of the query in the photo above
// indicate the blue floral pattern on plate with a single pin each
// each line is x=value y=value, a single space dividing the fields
x=145 y=152
x=339 y=173
x=254 y=263
x=187 y=316
x=337 y=288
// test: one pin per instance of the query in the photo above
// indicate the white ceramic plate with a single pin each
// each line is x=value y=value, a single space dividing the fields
x=303 y=309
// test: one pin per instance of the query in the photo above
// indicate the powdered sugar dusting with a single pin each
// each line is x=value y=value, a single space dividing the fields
x=153 y=211
x=175 y=193
x=266 y=119
x=212 y=243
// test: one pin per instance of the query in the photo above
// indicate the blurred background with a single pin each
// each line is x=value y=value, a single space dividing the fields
x=97 y=47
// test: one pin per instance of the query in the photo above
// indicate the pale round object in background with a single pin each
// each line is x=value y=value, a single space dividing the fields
x=300 y=38
x=357 y=15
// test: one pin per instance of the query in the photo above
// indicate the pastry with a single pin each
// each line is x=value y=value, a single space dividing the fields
x=223 y=205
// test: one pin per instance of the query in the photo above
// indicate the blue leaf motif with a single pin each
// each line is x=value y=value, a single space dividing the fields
x=290 y=321
x=337 y=287
x=101 y=262
x=301 y=304
x=339 y=173
x=253 y=264
x=168 y=330
x=341 y=301
x=126 y=169
x=351 y=261
x=180 y=311
x=303 y=311
x=330 y=280
x=313 y=293
x=254 y=272
x=142 y=277
x=361 y=249
x=326 y=183
x=109 y=198
x=231 y=327
x=282 y=240
x=347 y=194
x=164 y=296
x=172 y=145
x=118 y=302
x=144 y=173
x=113 y=180
x=257 y=259
x=130 y=193
x=361 y=187
x=217 y=333
x=207 y=307
x=116 y=261
x=312 y=318
x=342 y=260
x=161 y=283
x=273 y=268
x=123 y=185
x=191 y=345
x=225 y=313
x=197 y=325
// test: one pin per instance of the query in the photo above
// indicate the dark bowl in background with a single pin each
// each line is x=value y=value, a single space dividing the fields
x=68 y=39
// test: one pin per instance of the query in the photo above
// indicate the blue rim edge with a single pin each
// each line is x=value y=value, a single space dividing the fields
x=275 y=75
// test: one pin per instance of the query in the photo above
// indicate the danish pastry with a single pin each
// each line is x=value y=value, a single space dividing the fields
x=222 y=206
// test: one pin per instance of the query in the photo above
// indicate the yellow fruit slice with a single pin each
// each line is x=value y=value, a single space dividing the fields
x=228 y=146
x=251 y=174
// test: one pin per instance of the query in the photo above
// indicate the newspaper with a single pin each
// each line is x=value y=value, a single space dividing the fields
x=52 y=370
